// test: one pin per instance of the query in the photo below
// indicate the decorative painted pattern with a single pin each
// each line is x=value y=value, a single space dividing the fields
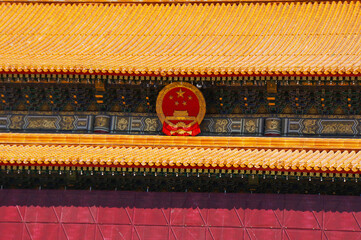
x=133 y=123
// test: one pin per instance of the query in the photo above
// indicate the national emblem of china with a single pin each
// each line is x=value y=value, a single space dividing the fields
x=181 y=109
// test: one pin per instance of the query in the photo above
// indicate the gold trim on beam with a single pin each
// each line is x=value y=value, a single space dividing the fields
x=182 y=141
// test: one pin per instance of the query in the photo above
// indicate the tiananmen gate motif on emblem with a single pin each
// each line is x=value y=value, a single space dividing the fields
x=181 y=109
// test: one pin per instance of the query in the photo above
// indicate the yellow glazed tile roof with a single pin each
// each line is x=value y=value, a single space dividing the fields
x=183 y=157
x=153 y=151
x=174 y=39
x=135 y=1
x=259 y=159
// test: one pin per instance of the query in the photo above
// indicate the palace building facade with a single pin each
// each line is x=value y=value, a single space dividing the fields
x=180 y=119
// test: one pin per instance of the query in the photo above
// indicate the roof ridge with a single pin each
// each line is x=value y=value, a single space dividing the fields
x=163 y=1
x=224 y=142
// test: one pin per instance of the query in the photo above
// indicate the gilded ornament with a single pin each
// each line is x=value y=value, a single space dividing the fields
x=221 y=125
x=310 y=126
x=122 y=124
x=337 y=127
x=42 y=123
x=151 y=124
x=16 y=122
x=101 y=121
x=67 y=122
x=250 y=125
x=272 y=124
x=181 y=108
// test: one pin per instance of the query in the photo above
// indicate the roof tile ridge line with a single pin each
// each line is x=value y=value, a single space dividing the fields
x=130 y=145
x=131 y=166
x=269 y=74
x=167 y=1
x=159 y=140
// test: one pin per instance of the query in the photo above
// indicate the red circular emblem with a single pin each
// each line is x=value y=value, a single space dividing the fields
x=181 y=109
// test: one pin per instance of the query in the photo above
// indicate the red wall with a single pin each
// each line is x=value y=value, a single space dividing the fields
x=56 y=214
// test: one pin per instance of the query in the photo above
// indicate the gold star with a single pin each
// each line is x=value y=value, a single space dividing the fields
x=190 y=97
x=170 y=97
x=184 y=103
x=176 y=103
x=180 y=93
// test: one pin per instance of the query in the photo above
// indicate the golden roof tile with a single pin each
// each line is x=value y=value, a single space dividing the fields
x=174 y=39
x=129 y=151
x=255 y=159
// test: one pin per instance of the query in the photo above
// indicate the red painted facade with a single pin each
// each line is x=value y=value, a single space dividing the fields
x=56 y=214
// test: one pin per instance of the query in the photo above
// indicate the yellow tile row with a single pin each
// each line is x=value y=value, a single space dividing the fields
x=181 y=39
x=136 y=1
x=259 y=159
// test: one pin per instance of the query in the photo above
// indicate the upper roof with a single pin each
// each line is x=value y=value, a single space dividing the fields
x=170 y=38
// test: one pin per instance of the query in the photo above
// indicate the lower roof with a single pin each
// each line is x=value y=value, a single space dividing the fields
x=234 y=153
x=284 y=38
